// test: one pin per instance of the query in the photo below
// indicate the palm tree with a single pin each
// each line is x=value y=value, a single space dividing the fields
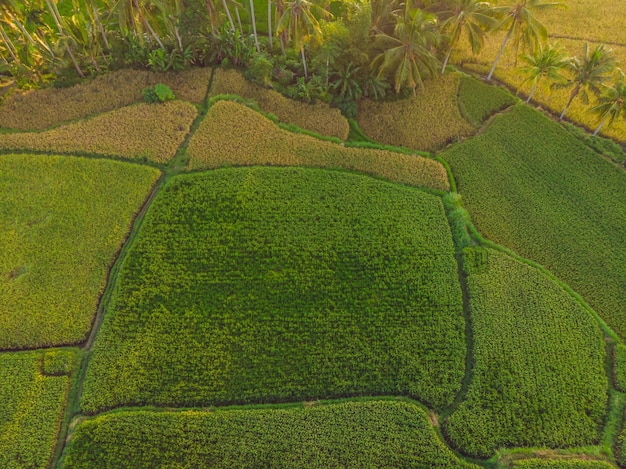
x=408 y=52
x=545 y=64
x=589 y=73
x=472 y=15
x=253 y=19
x=522 y=24
x=611 y=103
x=65 y=37
x=299 y=21
x=269 y=22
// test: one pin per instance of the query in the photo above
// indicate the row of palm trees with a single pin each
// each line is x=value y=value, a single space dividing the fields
x=400 y=47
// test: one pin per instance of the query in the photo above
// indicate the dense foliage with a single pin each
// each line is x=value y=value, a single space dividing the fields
x=532 y=383
x=31 y=404
x=320 y=117
x=533 y=188
x=478 y=100
x=44 y=108
x=62 y=221
x=381 y=433
x=233 y=135
x=283 y=285
x=137 y=132
x=427 y=121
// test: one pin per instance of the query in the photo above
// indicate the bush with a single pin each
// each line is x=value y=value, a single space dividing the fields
x=284 y=284
x=538 y=376
x=320 y=118
x=550 y=198
x=381 y=434
x=157 y=94
x=136 y=132
x=78 y=209
x=232 y=134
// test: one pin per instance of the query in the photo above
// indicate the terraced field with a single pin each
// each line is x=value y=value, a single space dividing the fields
x=271 y=271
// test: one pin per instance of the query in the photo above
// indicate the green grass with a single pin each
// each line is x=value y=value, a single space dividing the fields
x=478 y=101
x=538 y=376
x=349 y=434
x=62 y=221
x=536 y=463
x=282 y=285
x=31 y=406
x=620 y=367
x=535 y=189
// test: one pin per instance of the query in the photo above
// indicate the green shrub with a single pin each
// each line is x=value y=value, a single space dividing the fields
x=62 y=222
x=538 y=376
x=136 y=132
x=347 y=435
x=284 y=284
x=31 y=407
x=478 y=101
x=233 y=135
x=159 y=93
x=534 y=188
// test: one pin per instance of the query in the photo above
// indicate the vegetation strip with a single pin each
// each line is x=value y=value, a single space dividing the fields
x=392 y=433
x=250 y=139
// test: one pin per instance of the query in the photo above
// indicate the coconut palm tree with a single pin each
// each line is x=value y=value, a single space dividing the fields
x=473 y=16
x=522 y=25
x=544 y=65
x=253 y=19
x=611 y=103
x=589 y=73
x=407 y=54
x=63 y=34
x=299 y=21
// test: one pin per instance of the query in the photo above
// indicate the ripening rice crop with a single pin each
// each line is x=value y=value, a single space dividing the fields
x=320 y=117
x=62 y=221
x=536 y=189
x=31 y=406
x=346 y=435
x=283 y=284
x=555 y=100
x=145 y=131
x=233 y=135
x=427 y=121
x=36 y=110
x=478 y=101
x=538 y=377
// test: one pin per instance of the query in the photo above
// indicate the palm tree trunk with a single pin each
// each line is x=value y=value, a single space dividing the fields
x=146 y=23
x=239 y=21
x=100 y=26
x=230 y=18
x=306 y=73
x=269 y=22
x=256 y=38
x=506 y=39
x=600 y=126
x=571 y=98
x=21 y=28
x=211 y=9
x=452 y=39
x=54 y=12
x=532 y=91
x=10 y=46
